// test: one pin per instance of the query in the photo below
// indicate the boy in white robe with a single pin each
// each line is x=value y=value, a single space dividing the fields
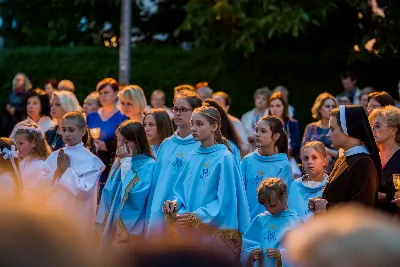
x=72 y=174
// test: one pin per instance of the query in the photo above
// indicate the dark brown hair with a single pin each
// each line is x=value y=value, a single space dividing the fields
x=212 y=115
x=43 y=99
x=163 y=123
x=276 y=126
x=383 y=98
x=271 y=187
x=53 y=83
x=192 y=98
x=283 y=99
x=134 y=132
x=348 y=74
x=227 y=128
x=107 y=81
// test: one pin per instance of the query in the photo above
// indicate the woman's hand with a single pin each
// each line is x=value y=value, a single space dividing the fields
x=256 y=254
x=169 y=207
x=381 y=197
x=10 y=109
x=273 y=253
x=396 y=199
x=317 y=205
x=183 y=220
x=124 y=152
x=100 y=145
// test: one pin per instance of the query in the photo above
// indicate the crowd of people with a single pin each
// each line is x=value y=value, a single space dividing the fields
x=124 y=171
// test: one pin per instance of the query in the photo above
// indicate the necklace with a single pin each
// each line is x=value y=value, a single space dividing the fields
x=385 y=157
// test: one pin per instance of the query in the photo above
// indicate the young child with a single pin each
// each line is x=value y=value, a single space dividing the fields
x=262 y=241
x=209 y=193
x=33 y=150
x=315 y=162
x=122 y=209
x=270 y=159
x=171 y=157
x=158 y=126
x=10 y=183
x=72 y=174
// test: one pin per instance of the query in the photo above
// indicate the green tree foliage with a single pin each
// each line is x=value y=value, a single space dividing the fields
x=57 y=22
x=243 y=24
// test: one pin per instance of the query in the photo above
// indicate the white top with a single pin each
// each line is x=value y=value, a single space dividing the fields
x=75 y=193
x=240 y=131
x=30 y=175
x=8 y=188
x=44 y=124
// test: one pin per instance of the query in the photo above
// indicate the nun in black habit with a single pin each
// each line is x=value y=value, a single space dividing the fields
x=356 y=174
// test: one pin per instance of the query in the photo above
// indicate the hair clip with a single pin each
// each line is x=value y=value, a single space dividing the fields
x=9 y=154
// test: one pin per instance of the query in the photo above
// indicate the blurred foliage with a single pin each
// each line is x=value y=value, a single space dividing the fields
x=242 y=25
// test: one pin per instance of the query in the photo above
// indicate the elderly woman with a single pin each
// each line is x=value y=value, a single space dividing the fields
x=356 y=174
x=385 y=124
x=379 y=100
x=317 y=131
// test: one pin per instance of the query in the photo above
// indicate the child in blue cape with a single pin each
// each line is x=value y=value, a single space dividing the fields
x=228 y=130
x=315 y=162
x=270 y=159
x=121 y=213
x=209 y=196
x=158 y=127
x=262 y=241
x=171 y=157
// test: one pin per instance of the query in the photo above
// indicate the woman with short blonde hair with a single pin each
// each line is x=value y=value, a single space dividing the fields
x=61 y=103
x=132 y=102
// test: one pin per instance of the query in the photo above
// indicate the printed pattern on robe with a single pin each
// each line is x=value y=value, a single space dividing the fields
x=259 y=177
x=179 y=161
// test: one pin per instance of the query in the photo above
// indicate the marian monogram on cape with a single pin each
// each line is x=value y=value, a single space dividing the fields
x=271 y=235
x=178 y=162
x=205 y=172
x=258 y=179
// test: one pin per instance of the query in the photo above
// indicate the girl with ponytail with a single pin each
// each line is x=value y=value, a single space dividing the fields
x=270 y=159
x=209 y=194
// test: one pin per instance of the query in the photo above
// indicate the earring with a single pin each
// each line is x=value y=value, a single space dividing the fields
x=276 y=149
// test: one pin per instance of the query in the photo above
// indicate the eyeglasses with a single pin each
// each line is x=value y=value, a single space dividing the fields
x=181 y=110
x=377 y=126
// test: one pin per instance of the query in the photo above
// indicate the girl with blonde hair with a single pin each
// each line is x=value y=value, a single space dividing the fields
x=33 y=151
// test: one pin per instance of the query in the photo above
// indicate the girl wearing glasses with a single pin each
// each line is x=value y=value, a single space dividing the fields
x=171 y=157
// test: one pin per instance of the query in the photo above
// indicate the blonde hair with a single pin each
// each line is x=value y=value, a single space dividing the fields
x=27 y=82
x=391 y=115
x=135 y=95
x=66 y=85
x=68 y=101
x=319 y=102
x=320 y=148
x=212 y=115
x=41 y=150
